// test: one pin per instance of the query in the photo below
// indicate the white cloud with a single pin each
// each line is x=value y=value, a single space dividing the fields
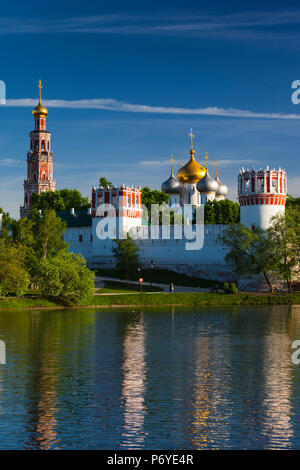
x=10 y=162
x=158 y=163
x=242 y=25
x=111 y=104
x=238 y=162
x=227 y=162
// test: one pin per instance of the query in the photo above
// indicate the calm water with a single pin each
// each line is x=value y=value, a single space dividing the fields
x=173 y=379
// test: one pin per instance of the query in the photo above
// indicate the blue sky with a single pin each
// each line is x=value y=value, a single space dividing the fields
x=125 y=81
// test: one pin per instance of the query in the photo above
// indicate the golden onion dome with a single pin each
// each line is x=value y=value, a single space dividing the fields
x=40 y=110
x=191 y=172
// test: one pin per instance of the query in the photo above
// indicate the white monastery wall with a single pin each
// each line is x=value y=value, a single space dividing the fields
x=80 y=240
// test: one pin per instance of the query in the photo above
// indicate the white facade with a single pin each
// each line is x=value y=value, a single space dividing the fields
x=190 y=195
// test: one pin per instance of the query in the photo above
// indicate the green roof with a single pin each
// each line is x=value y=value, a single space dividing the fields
x=79 y=219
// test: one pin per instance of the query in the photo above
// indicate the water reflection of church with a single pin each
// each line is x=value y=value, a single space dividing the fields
x=169 y=379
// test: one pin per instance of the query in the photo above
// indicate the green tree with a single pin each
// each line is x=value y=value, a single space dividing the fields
x=6 y=222
x=41 y=236
x=292 y=204
x=105 y=182
x=126 y=254
x=43 y=233
x=285 y=234
x=66 y=277
x=222 y=212
x=209 y=213
x=153 y=196
x=13 y=275
x=60 y=200
x=48 y=231
x=250 y=251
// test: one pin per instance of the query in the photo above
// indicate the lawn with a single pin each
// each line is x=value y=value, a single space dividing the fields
x=158 y=299
x=195 y=298
x=27 y=302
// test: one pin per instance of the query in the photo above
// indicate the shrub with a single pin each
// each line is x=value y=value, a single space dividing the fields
x=230 y=288
x=66 y=277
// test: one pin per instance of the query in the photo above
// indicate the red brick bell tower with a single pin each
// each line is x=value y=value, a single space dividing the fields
x=39 y=158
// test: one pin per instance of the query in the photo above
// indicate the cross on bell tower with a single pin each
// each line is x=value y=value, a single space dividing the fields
x=39 y=158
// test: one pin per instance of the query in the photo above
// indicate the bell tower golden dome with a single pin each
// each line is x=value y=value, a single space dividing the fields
x=191 y=172
x=40 y=110
x=39 y=159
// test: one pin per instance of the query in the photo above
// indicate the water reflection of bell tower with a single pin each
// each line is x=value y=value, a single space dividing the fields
x=39 y=158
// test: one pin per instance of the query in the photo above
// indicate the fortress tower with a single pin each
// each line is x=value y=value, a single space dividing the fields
x=39 y=158
x=262 y=195
x=124 y=202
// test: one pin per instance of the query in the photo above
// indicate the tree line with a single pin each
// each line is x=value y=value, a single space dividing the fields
x=34 y=257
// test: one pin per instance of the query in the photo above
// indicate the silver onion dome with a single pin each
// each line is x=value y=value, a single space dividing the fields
x=207 y=184
x=222 y=189
x=171 y=185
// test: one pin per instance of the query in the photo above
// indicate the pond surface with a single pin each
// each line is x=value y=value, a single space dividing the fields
x=178 y=378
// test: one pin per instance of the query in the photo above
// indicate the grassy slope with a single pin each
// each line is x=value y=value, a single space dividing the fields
x=164 y=276
x=115 y=287
x=161 y=299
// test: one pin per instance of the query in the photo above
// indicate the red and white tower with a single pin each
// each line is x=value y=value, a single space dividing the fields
x=262 y=195
x=124 y=203
x=39 y=158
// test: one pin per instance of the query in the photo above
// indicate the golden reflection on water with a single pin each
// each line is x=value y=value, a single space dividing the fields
x=277 y=409
x=46 y=422
x=202 y=398
x=210 y=392
x=133 y=387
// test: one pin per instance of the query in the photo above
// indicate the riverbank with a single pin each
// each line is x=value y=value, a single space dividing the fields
x=155 y=299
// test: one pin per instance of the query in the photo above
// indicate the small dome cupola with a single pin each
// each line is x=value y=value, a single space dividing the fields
x=171 y=185
x=207 y=184
x=222 y=189
x=191 y=172
x=40 y=110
